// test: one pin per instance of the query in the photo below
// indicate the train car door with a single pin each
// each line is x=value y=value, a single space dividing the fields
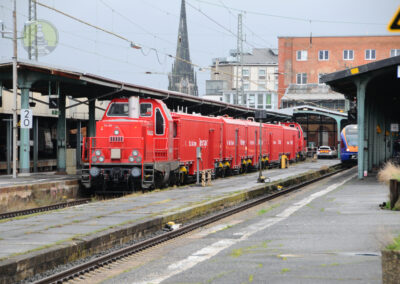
x=236 y=146
x=294 y=146
x=211 y=147
x=256 y=142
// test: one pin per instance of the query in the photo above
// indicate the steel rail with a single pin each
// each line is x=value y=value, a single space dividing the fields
x=127 y=251
x=24 y=212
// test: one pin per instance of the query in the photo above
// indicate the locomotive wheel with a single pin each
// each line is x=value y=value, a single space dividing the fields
x=174 y=179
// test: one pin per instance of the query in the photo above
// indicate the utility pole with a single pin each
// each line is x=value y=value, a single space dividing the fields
x=15 y=73
x=239 y=57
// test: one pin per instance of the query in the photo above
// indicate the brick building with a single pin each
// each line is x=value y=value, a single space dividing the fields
x=302 y=60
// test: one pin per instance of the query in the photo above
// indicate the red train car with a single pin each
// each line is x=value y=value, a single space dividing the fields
x=140 y=144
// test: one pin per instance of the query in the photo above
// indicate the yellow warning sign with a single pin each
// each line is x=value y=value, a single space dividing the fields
x=394 y=24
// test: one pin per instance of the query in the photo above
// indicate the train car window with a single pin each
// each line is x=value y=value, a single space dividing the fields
x=175 y=129
x=146 y=109
x=166 y=111
x=159 y=122
x=118 y=109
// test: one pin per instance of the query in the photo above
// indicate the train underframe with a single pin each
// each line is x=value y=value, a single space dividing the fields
x=122 y=178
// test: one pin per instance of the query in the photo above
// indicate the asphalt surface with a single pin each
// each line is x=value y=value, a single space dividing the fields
x=35 y=233
x=329 y=232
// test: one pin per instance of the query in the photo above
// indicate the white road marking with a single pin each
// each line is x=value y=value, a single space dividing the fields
x=212 y=250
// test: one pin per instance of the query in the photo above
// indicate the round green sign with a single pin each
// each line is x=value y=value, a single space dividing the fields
x=40 y=36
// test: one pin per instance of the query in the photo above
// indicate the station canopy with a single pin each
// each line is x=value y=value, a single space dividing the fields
x=78 y=84
x=383 y=87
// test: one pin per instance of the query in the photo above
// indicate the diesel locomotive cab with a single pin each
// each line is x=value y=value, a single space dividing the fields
x=122 y=151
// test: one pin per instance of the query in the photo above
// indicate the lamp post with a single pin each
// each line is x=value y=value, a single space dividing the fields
x=15 y=74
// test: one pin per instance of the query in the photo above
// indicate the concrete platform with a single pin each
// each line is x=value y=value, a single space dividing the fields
x=36 y=243
x=332 y=231
x=36 y=189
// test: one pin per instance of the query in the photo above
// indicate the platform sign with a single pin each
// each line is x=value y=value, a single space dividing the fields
x=394 y=24
x=394 y=127
x=26 y=118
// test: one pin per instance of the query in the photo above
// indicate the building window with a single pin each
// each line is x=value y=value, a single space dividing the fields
x=246 y=86
x=261 y=73
x=245 y=73
x=227 y=98
x=323 y=55
x=319 y=77
x=301 y=55
x=268 y=102
x=260 y=101
x=261 y=85
x=394 y=52
x=370 y=54
x=301 y=78
x=348 y=54
x=252 y=100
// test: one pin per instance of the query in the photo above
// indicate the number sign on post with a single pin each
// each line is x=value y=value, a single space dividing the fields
x=26 y=118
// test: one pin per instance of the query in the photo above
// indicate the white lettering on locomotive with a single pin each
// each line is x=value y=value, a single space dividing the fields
x=203 y=143
x=242 y=142
x=192 y=144
x=251 y=142
x=230 y=143
x=279 y=142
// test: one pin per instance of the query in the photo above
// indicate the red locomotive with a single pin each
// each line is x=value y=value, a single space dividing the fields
x=140 y=144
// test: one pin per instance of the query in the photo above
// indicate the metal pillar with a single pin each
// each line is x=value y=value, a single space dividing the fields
x=92 y=119
x=24 y=144
x=78 y=144
x=61 y=133
x=9 y=145
x=361 y=88
x=338 y=127
x=35 y=143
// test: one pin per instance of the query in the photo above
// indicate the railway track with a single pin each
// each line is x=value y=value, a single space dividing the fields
x=107 y=259
x=13 y=214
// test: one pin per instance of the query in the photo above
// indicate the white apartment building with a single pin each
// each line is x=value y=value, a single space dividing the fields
x=253 y=82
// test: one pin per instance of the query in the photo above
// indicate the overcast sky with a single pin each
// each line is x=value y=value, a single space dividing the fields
x=212 y=26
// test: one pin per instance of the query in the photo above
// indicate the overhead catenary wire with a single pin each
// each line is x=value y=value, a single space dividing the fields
x=130 y=42
x=246 y=26
x=292 y=18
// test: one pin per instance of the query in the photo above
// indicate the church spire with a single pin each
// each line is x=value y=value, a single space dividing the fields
x=182 y=78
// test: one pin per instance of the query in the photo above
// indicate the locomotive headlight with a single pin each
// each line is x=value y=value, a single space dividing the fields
x=131 y=159
x=138 y=159
x=135 y=153
x=94 y=159
x=136 y=172
x=94 y=172
x=348 y=150
x=116 y=132
x=97 y=152
x=101 y=159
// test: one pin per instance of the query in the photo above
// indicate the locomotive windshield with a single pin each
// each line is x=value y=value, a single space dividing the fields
x=352 y=136
x=118 y=109
x=146 y=109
